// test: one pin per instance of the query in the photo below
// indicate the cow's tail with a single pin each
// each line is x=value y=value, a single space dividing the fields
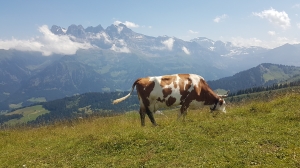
x=125 y=97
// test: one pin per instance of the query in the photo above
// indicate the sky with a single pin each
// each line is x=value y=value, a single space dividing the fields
x=267 y=23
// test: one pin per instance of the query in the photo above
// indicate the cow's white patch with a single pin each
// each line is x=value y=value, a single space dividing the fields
x=196 y=79
x=222 y=107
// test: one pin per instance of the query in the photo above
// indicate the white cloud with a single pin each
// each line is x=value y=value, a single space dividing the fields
x=122 y=42
x=48 y=43
x=283 y=40
x=219 y=18
x=158 y=48
x=272 y=33
x=278 y=18
x=123 y=49
x=117 y=22
x=296 y=6
x=185 y=50
x=127 y=24
x=193 y=32
x=298 y=25
x=119 y=29
x=131 y=24
x=242 y=42
x=101 y=35
x=168 y=43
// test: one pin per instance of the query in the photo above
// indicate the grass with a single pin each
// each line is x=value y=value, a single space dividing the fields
x=253 y=133
x=13 y=106
x=29 y=114
x=275 y=73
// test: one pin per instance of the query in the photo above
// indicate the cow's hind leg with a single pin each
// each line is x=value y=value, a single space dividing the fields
x=142 y=115
x=150 y=115
x=182 y=111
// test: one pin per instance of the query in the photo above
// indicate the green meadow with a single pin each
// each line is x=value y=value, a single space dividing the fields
x=256 y=133
x=29 y=114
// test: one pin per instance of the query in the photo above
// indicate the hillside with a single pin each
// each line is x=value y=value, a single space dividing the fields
x=68 y=108
x=251 y=133
x=16 y=67
x=262 y=75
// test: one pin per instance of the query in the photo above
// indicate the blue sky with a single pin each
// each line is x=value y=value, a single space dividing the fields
x=267 y=23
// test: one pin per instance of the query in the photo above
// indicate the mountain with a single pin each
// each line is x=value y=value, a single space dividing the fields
x=262 y=75
x=286 y=54
x=64 y=77
x=120 y=38
x=17 y=66
x=222 y=55
x=227 y=49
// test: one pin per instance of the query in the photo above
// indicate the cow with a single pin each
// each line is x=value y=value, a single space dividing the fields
x=185 y=90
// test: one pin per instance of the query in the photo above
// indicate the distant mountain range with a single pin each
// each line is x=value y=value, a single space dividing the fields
x=121 y=55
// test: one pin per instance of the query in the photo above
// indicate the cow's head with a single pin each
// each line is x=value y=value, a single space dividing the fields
x=220 y=104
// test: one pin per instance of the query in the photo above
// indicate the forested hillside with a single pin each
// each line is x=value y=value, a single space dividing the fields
x=86 y=104
x=266 y=88
x=79 y=106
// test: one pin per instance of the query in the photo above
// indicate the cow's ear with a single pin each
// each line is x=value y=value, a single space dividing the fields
x=221 y=101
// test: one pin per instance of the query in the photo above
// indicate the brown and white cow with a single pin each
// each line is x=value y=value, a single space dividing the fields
x=187 y=90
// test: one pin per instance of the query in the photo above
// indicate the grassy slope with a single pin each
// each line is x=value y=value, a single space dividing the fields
x=275 y=73
x=263 y=134
x=29 y=114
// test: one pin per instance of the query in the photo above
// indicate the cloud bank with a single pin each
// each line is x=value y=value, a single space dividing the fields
x=277 y=18
x=47 y=44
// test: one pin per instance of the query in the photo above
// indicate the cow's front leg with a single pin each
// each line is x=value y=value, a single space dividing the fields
x=150 y=115
x=142 y=115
